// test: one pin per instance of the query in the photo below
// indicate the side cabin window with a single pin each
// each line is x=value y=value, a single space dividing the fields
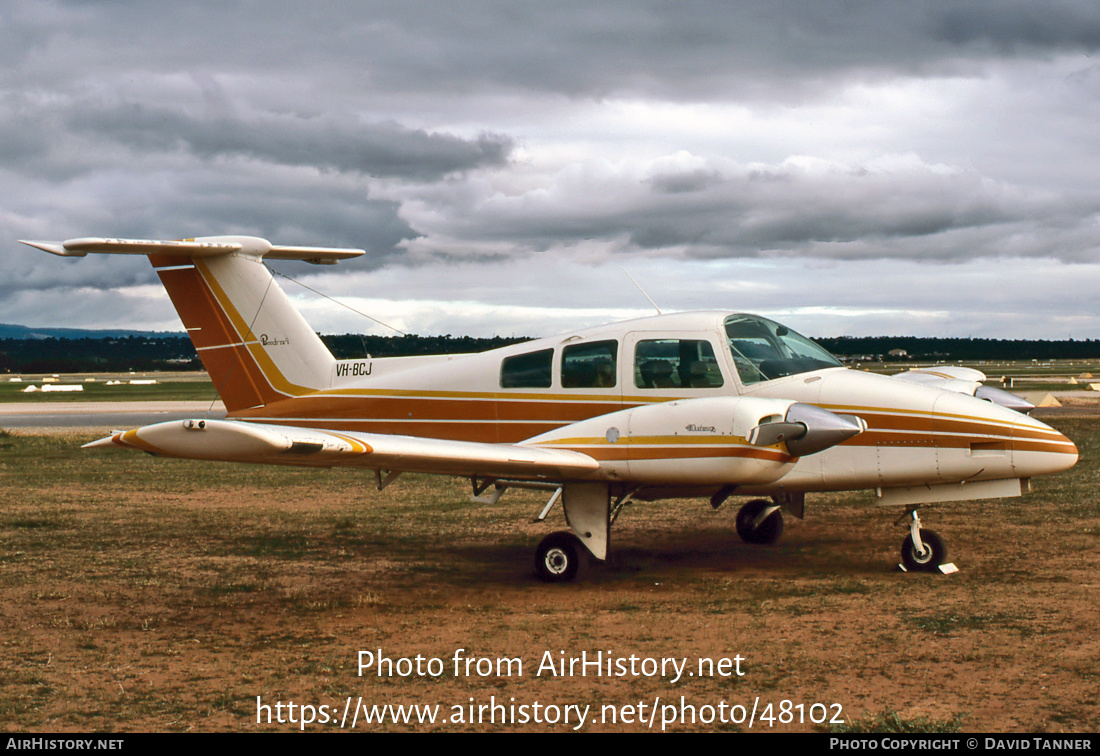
x=591 y=365
x=675 y=364
x=531 y=370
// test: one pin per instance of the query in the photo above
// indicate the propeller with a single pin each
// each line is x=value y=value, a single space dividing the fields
x=1003 y=398
x=807 y=429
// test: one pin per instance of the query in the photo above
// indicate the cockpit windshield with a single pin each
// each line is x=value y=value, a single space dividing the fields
x=763 y=350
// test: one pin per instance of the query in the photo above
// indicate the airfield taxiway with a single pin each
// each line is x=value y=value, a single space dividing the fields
x=102 y=414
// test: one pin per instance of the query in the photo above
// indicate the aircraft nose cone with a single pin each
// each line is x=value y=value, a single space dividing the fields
x=1042 y=450
x=1069 y=455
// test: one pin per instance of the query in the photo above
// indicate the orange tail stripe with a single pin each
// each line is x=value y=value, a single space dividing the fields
x=231 y=367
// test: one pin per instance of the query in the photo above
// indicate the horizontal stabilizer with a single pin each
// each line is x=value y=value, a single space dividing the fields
x=209 y=246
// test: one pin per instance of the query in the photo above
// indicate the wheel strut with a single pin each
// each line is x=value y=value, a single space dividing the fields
x=922 y=550
x=914 y=531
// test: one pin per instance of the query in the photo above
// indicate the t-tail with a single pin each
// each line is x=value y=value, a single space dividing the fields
x=255 y=345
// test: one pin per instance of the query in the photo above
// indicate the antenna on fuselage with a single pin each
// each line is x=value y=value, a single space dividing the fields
x=337 y=301
x=655 y=307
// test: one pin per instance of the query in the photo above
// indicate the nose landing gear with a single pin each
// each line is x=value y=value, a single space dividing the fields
x=922 y=550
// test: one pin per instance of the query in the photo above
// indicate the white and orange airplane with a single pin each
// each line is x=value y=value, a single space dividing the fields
x=702 y=404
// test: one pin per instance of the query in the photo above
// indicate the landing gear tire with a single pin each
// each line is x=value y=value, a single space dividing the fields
x=560 y=558
x=929 y=560
x=767 y=532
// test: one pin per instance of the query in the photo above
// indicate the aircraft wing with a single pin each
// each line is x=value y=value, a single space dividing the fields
x=942 y=374
x=236 y=441
x=963 y=380
x=704 y=440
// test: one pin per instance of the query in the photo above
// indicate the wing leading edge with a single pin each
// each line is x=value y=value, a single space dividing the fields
x=963 y=380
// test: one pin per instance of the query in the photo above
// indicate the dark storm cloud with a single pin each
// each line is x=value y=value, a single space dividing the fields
x=813 y=208
x=55 y=136
x=291 y=205
x=329 y=142
x=582 y=49
x=1016 y=27
x=707 y=49
x=688 y=134
x=283 y=205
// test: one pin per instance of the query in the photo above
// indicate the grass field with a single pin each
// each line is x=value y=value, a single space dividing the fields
x=149 y=594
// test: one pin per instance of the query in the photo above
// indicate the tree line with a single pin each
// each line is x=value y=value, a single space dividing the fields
x=924 y=348
x=149 y=353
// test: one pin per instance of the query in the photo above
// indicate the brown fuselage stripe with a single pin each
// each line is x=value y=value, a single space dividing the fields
x=511 y=421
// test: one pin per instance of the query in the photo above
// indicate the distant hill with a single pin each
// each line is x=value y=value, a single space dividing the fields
x=13 y=331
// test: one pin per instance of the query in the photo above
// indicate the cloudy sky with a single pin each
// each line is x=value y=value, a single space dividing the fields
x=928 y=167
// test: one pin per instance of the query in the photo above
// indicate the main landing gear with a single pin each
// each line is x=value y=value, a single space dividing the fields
x=760 y=522
x=560 y=558
x=922 y=550
x=590 y=510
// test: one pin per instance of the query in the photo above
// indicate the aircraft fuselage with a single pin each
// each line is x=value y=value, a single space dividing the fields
x=916 y=434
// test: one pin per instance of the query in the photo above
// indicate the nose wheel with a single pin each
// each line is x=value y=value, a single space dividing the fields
x=922 y=550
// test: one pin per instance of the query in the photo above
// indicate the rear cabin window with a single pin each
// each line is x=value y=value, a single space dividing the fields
x=675 y=364
x=590 y=365
x=531 y=370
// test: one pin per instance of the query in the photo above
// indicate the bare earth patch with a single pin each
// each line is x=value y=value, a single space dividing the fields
x=156 y=595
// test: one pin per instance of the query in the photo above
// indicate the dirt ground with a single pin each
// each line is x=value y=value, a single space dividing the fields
x=157 y=595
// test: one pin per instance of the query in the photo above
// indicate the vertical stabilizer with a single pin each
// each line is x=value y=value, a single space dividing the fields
x=253 y=342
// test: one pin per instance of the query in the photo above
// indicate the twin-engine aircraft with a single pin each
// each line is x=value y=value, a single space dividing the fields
x=702 y=404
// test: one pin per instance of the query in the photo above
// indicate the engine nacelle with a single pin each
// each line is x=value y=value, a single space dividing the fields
x=706 y=441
